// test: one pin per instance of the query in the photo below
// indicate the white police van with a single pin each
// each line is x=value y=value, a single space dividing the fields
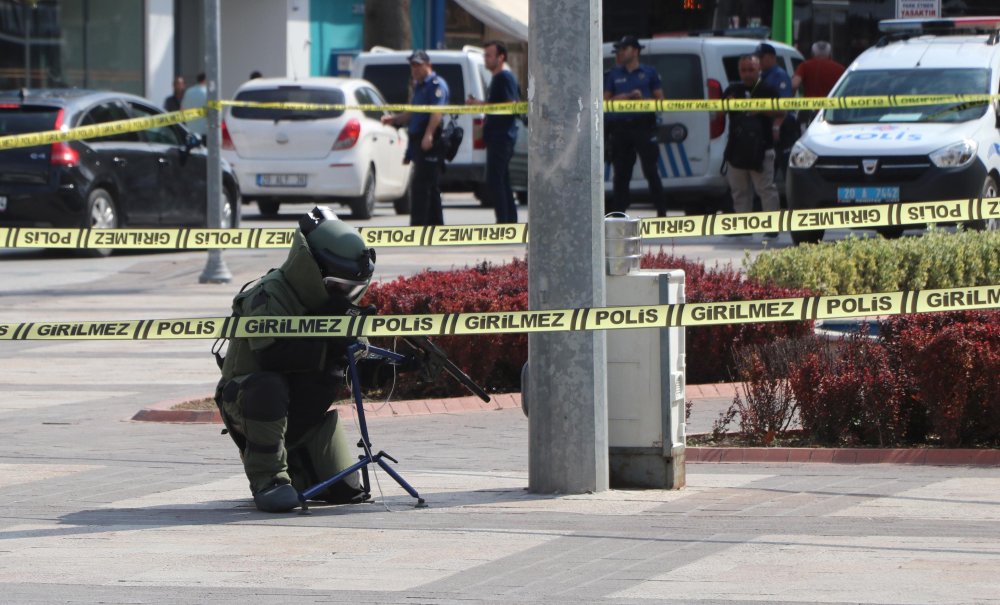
x=466 y=74
x=850 y=157
x=699 y=66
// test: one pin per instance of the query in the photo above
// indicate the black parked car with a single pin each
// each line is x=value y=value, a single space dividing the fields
x=150 y=178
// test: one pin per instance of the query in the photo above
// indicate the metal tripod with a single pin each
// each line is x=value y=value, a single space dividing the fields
x=367 y=457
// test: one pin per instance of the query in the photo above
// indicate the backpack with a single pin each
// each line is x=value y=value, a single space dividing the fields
x=451 y=138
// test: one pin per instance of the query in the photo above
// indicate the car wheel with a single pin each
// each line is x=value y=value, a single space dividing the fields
x=891 y=232
x=102 y=213
x=522 y=197
x=807 y=237
x=363 y=206
x=268 y=207
x=402 y=204
x=987 y=224
x=228 y=209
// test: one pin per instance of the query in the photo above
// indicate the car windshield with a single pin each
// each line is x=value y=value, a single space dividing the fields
x=912 y=82
x=289 y=94
x=20 y=119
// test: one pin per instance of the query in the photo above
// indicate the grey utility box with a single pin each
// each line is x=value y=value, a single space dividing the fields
x=646 y=386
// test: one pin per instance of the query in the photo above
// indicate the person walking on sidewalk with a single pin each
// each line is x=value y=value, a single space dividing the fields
x=499 y=132
x=631 y=134
x=425 y=149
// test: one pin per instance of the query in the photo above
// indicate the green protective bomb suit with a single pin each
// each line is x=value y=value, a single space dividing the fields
x=275 y=392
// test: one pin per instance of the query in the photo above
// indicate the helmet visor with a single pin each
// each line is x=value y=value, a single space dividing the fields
x=350 y=289
x=359 y=269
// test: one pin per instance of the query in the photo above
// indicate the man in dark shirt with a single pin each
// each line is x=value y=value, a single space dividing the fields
x=173 y=102
x=785 y=130
x=499 y=132
x=750 y=149
x=632 y=134
x=424 y=148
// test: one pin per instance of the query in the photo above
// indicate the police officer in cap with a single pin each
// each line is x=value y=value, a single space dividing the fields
x=425 y=149
x=275 y=392
x=631 y=134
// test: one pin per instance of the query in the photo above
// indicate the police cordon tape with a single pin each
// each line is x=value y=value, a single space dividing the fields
x=34 y=139
x=864 y=216
x=500 y=322
x=630 y=106
x=664 y=105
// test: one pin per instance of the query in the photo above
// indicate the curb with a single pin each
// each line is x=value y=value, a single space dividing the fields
x=935 y=457
x=163 y=411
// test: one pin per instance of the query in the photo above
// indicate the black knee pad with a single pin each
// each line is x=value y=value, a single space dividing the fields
x=265 y=397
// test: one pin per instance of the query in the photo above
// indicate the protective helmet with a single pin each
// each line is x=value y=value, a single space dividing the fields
x=346 y=264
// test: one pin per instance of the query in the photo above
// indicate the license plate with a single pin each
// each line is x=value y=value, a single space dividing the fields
x=867 y=195
x=281 y=180
x=3 y=203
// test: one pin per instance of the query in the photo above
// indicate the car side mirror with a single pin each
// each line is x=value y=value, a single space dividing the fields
x=193 y=141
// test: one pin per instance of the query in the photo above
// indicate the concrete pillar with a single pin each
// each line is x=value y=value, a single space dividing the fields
x=568 y=427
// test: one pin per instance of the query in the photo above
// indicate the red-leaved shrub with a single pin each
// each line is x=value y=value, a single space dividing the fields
x=711 y=349
x=952 y=361
x=852 y=395
x=494 y=361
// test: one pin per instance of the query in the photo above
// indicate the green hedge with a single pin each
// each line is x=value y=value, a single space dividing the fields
x=938 y=259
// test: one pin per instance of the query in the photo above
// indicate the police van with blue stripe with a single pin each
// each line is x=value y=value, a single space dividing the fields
x=691 y=143
x=851 y=157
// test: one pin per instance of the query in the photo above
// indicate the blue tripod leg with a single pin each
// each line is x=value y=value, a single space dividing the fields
x=322 y=485
x=402 y=482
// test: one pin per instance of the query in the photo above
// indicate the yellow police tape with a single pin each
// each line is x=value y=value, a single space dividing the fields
x=631 y=106
x=653 y=105
x=880 y=215
x=502 y=322
x=100 y=130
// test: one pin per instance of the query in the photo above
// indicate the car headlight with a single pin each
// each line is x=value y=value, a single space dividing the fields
x=801 y=156
x=956 y=155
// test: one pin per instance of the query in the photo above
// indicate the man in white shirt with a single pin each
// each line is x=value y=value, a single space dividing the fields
x=196 y=96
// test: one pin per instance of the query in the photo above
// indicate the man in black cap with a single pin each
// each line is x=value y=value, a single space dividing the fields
x=631 y=134
x=785 y=130
x=424 y=149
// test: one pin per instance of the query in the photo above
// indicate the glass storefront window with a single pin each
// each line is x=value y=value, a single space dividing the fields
x=96 y=44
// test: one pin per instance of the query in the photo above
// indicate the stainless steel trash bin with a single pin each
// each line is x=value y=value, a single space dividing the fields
x=622 y=243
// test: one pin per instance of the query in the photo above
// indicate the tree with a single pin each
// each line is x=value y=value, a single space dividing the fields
x=387 y=23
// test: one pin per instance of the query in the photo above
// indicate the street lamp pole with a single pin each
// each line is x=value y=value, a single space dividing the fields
x=215 y=271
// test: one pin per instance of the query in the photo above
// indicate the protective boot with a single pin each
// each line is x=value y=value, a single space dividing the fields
x=322 y=453
x=262 y=406
x=278 y=498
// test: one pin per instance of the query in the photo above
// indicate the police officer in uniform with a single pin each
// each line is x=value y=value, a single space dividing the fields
x=785 y=130
x=275 y=392
x=632 y=134
x=424 y=149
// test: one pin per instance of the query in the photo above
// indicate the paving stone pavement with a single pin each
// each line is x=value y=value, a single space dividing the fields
x=97 y=508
